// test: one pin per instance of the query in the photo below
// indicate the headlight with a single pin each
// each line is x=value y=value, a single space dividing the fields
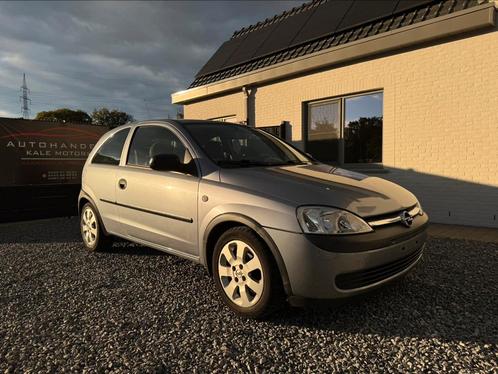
x=332 y=221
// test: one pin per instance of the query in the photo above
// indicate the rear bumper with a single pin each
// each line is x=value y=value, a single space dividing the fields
x=323 y=274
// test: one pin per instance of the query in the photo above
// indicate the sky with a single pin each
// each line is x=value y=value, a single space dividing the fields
x=125 y=55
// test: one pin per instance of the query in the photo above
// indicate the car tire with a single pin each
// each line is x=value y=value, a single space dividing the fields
x=94 y=237
x=246 y=275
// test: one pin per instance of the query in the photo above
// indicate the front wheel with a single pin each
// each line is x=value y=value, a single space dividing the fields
x=245 y=274
x=92 y=234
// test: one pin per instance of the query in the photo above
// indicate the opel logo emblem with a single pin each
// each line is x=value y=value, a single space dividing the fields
x=406 y=218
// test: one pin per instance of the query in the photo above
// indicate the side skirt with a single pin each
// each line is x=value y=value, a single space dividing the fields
x=159 y=247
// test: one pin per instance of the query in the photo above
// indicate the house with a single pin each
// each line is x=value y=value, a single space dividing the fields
x=406 y=90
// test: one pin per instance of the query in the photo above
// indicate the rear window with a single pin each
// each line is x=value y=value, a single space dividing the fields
x=110 y=152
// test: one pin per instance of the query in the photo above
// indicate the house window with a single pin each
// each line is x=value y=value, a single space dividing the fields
x=346 y=129
x=324 y=130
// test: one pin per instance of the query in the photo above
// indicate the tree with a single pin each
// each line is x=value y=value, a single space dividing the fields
x=64 y=115
x=363 y=140
x=110 y=118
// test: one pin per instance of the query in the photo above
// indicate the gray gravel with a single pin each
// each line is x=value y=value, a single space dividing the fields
x=138 y=310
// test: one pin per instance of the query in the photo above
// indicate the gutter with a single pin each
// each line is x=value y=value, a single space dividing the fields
x=475 y=18
x=247 y=95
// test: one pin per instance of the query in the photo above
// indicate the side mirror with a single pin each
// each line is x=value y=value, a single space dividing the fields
x=166 y=162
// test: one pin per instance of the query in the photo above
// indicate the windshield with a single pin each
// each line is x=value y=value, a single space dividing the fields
x=230 y=145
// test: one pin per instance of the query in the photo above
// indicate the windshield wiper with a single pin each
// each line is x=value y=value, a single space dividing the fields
x=288 y=162
x=249 y=163
x=242 y=163
x=295 y=162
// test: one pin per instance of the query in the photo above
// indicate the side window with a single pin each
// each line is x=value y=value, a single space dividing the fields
x=110 y=152
x=149 y=141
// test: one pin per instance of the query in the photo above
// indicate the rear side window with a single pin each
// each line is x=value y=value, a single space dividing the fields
x=110 y=152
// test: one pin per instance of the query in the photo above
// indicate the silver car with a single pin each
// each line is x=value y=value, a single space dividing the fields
x=267 y=221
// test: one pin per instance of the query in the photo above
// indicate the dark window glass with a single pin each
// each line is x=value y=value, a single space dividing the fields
x=149 y=141
x=324 y=129
x=241 y=146
x=363 y=129
x=110 y=152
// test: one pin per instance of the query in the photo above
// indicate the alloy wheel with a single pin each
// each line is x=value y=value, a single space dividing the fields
x=241 y=273
x=89 y=227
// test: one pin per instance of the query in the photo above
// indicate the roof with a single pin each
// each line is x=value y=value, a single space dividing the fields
x=316 y=26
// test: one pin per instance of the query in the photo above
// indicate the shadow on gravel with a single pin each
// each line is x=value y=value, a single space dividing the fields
x=124 y=248
x=54 y=230
x=63 y=230
x=450 y=296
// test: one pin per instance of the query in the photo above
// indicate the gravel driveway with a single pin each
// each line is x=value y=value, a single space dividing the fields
x=135 y=309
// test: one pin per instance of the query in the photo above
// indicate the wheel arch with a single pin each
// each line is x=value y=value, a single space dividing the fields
x=226 y=221
x=85 y=198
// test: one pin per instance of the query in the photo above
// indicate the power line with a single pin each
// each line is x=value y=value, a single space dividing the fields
x=91 y=99
x=85 y=102
x=78 y=96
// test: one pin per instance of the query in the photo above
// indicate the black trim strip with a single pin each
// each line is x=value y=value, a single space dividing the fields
x=367 y=277
x=189 y=220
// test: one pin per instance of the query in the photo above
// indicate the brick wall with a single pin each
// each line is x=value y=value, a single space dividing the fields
x=440 y=120
x=232 y=104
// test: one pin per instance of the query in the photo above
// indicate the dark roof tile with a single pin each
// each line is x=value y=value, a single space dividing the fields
x=249 y=48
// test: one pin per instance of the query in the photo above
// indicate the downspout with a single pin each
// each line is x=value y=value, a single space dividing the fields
x=247 y=106
x=245 y=90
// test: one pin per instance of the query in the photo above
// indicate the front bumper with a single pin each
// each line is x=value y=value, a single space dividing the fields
x=324 y=273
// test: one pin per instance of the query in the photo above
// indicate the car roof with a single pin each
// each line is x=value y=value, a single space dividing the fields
x=179 y=123
x=185 y=122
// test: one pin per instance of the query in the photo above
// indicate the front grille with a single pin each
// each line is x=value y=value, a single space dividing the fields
x=362 y=278
x=394 y=217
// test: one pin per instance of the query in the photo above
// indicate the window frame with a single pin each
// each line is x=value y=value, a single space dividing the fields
x=342 y=118
x=106 y=141
x=181 y=138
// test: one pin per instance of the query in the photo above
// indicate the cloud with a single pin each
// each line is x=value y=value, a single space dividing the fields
x=4 y=113
x=129 y=55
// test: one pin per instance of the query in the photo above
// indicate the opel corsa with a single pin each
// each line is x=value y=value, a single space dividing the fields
x=267 y=221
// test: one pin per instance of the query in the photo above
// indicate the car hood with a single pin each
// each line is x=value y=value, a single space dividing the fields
x=320 y=184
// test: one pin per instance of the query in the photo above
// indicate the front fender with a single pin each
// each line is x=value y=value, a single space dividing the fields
x=251 y=223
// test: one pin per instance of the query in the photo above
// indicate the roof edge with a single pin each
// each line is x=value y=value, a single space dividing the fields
x=474 y=18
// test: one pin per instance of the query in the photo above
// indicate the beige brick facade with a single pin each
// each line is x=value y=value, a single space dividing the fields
x=224 y=106
x=440 y=132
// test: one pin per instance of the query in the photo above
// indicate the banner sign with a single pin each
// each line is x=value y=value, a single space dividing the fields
x=36 y=152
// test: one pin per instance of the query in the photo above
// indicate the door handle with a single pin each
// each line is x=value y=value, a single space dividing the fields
x=122 y=184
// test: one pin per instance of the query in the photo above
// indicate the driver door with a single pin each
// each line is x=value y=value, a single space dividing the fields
x=158 y=207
